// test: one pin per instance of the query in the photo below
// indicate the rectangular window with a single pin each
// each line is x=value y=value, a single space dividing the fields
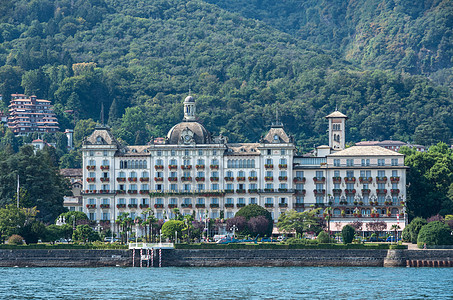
x=336 y=173
x=229 y=186
x=173 y=187
x=215 y=186
x=349 y=162
x=349 y=174
x=229 y=201
x=336 y=162
x=300 y=174
x=252 y=201
x=394 y=161
x=319 y=175
x=186 y=187
x=381 y=162
x=395 y=173
x=200 y=187
x=381 y=173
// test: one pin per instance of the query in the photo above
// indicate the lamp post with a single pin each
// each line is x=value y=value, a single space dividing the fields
x=234 y=230
x=160 y=236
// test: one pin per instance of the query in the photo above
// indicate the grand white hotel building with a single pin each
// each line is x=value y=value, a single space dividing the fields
x=200 y=173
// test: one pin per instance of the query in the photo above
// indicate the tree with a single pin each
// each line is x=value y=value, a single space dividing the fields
x=435 y=233
x=258 y=225
x=410 y=232
x=323 y=237
x=85 y=233
x=347 y=233
x=253 y=211
x=299 y=222
x=170 y=227
x=377 y=226
x=73 y=217
x=239 y=221
x=12 y=220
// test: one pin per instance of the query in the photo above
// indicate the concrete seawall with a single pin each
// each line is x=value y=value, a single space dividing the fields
x=228 y=258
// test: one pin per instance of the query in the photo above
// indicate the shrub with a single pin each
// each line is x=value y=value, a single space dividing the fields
x=410 y=233
x=295 y=241
x=347 y=233
x=323 y=237
x=15 y=239
x=435 y=233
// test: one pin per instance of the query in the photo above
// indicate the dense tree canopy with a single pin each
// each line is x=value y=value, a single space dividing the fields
x=41 y=185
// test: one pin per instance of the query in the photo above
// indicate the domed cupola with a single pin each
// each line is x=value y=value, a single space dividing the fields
x=189 y=131
x=189 y=109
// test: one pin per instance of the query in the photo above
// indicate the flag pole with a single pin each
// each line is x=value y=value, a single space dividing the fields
x=18 y=190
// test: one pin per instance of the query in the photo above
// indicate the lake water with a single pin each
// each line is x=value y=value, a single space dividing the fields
x=226 y=283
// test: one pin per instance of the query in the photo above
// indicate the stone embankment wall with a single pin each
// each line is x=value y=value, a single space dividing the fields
x=65 y=258
x=228 y=258
x=236 y=258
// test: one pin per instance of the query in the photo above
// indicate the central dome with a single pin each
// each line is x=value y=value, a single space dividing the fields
x=188 y=133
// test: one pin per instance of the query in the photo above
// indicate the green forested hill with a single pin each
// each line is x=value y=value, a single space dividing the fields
x=402 y=35
x=139 y=58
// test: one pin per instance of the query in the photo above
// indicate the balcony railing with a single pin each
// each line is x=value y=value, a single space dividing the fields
x=240 y=178
x=394 y=191
x=105 y=167
x=200 y=167
x=381 y=191
x=381 y=179
x=144 y=192
x=121 y=205
x=349 y=179
x=336 y=191
x=105 y=179
x=319 y=179
x=319 y=192
x=283 y=166
x=253 y=178
x=214 y=167
x=365 y=179
x=366 y=191
x=172 y=205
x=298 y=205
x=395 y=179
x=229 y=205
x=91 y=206
x=282 y=178
x=189 y=167
x=159 y=167
x=268 y=204
x=239 y=205
x=132 y=179
x=336 y=179
x=299 y=179
x=158 y=179
x=132 y=205
x=144 y=179
x=214 y=179
x=269 y=166
x=91 y=179
x=283 y=205
x=132 y=191
x=186 y=205
x=229 y=178
x=269 y=178
x=350 y=191
x=91 y=168
x=186 y=178
x=214 y=205
x=121 y=179
x=240 y=191
x=144 y=205
x=198 y=179
x=200 y=205
x=159 y=205
x=300 y=192
x=172 y=179
x=173 y=167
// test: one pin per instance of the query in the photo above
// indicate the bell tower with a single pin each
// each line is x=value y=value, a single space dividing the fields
x=337 y=122
x=189 y=109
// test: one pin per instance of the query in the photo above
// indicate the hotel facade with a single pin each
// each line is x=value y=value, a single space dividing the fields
x=205 y=175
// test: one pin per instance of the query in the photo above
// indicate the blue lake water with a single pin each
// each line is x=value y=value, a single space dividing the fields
x=226 y=283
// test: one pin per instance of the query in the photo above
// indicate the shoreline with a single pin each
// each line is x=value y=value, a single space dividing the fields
x=227 y=258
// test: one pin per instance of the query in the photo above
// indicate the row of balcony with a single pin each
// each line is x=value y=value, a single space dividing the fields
x=364 y=191
x=338 y=179
x=232 y=205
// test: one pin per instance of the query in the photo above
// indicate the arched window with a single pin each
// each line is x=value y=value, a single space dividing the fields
x=253 y=163
x=131 y=164
x=133 y=174
x=228 y=163
x=145 y=174
x=145 y=164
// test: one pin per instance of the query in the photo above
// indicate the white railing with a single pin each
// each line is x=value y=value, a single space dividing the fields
x=151 y=245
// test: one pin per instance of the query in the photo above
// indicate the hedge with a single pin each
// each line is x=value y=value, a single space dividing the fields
x=286 y=246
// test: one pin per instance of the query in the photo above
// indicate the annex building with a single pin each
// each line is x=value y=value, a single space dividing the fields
x=199 y=173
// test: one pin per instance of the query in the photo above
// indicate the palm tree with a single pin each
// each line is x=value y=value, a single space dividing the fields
x=124 y=222
x=395 y=228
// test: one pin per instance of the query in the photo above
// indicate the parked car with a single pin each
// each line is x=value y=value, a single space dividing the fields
x=375 y=239
x=392 y=239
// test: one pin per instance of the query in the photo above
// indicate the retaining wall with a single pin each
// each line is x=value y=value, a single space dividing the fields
x=225 y=258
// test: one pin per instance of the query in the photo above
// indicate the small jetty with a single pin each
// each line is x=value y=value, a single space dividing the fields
x=148 y=251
